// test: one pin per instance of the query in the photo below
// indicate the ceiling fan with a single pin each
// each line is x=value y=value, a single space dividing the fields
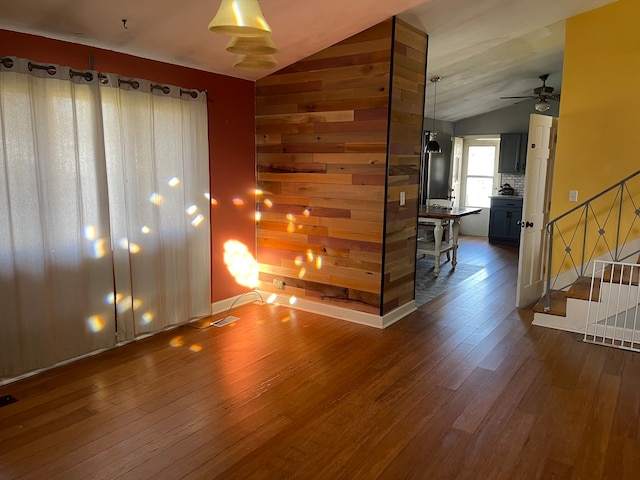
x=543 y=94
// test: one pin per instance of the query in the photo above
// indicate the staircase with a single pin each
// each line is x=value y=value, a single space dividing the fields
x=602 y=230
x=569 y=309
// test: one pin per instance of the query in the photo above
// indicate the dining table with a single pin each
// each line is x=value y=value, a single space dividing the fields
x=440 y=218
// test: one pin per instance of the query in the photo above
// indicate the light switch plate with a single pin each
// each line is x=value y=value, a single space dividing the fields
x=573 y=195
x=403 y=199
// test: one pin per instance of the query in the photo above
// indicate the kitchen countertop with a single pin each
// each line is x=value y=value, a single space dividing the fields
x=514 y=197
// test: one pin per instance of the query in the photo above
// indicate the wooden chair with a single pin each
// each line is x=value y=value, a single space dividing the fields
x=425 y=229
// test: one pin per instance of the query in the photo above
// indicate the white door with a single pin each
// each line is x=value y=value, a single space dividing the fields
x=456 y=169
x=535 y=208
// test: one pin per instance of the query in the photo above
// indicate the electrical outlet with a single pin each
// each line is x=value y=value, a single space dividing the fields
x=573 y=195
x=279 y=284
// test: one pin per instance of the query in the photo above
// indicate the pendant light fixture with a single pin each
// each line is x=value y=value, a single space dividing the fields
x=242 y=18
x=432 y=145
x=251 y=34
x=255 y=62
x=252 y=45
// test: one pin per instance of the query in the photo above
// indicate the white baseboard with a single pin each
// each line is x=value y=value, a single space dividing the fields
x=340 y=313
x=237 y=300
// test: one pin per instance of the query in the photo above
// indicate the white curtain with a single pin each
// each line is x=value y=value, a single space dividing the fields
x=55 y=258
x=157 y=157
x=104 y=224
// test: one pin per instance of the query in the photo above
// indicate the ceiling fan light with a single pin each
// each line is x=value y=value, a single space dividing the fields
x=252 y=45
x=242 y=18
x=257 y=62
x=542 y=106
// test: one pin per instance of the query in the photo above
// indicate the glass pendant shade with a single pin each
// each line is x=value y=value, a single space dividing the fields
x=242 y=18
x=255 y=62
x=542 y=106
x=252 y=45
x=432 y=145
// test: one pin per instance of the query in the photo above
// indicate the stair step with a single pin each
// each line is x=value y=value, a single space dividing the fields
x=581 y=289
x=557 y=304
x=629 y=275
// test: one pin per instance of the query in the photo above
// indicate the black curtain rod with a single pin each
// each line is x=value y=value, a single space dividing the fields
x=193 y=93
x=8 y=62
x=50 y=69
x=166 y=90
x=134 y=83
x=88 y=76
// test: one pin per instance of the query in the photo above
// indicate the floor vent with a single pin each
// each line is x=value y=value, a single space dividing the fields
x=225 y=321
x=7 y=400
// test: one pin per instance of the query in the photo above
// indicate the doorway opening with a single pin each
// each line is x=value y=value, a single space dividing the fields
x=479 y=180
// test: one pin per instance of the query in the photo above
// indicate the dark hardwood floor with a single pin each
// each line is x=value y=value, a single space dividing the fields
x=464 y=388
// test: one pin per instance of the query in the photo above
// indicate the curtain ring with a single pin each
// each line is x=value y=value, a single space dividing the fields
x=88 y=76
x=134 y=83
x=166 y=90
x=50 y=69
x=192 y=93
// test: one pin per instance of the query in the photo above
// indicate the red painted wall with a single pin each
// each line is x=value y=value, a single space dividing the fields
x=231 y=133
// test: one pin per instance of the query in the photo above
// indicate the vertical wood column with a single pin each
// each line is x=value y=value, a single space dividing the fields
x=322 y=133
x=408 y=79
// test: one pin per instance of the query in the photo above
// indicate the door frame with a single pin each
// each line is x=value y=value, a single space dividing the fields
x=535 y=208
x=477 y=225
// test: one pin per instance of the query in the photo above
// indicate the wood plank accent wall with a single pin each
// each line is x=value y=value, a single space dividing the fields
x=405 y=131
x=322 y=129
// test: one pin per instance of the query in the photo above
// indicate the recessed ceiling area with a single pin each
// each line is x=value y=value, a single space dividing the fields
x=482 y=49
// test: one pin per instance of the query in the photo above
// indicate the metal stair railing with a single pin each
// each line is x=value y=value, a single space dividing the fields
x=604 y=227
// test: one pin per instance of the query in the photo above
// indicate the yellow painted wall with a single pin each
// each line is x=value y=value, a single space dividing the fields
x=600 y=109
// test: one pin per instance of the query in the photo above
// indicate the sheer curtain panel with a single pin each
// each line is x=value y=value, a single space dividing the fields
x=55 y=255
x=104 y=212
x=158 y=170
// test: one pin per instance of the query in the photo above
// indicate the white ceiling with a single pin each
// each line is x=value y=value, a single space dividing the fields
x=482 y=49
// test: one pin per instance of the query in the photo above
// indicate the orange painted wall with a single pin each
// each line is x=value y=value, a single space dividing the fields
x=600 y=103
x=597 y=125
x=231 y=133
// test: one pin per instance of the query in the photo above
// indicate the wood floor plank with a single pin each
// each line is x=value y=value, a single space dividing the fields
x=430 y=436
x=595 y=438
x=478 y=458
x=463 y=388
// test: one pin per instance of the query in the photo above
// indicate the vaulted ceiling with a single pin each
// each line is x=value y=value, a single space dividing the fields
x=482 y=49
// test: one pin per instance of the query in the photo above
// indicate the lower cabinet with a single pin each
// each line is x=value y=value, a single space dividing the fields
x=504 y=216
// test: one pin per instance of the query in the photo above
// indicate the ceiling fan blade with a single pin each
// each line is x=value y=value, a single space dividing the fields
x=527 y=96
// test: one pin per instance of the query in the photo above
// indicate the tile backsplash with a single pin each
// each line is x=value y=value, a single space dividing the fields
x=515 y=180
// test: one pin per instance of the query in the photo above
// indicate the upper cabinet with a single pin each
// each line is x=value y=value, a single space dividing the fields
x=513 y=153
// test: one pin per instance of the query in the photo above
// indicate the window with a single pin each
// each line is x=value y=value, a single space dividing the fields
x=480 y=162
x=104 y=209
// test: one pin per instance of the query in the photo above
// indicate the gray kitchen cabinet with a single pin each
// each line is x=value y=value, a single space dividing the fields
x=504 y=216
x=513 y=153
